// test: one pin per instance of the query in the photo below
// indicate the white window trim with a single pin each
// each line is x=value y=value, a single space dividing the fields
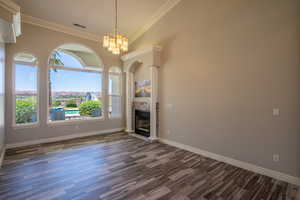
x=25 y=125
x=75 y=121
x=100 y=70
x=120 y=95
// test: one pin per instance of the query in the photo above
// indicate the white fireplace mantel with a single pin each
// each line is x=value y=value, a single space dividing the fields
x=149 y=57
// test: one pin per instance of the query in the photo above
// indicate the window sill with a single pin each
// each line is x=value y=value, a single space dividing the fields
x=24 y=126
x=66 y=122
x=115 y=118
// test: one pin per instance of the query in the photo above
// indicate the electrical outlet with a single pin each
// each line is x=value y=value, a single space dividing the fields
x=276 y=112
x=276 y=158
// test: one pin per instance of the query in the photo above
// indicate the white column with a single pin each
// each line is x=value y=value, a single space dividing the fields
x=154 y=101
x=129 y=97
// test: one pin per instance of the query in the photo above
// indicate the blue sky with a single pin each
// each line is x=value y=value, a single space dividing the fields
x=26 y=78
x=62 y=80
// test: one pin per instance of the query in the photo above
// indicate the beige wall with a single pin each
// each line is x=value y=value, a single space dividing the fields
x=40 y=42
x=2 y=96
x=142 y=73
x=5 y=15
x=226 y=65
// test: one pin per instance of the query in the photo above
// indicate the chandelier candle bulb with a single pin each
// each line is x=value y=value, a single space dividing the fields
x=105 y=41
x=116 y=51
x=125 y=45
x=119 y=39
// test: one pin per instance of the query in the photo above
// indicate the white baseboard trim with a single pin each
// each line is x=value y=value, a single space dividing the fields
x=2 y=153
x=61 y=138
x=251 y=167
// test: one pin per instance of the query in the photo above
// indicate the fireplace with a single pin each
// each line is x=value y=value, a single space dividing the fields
x=142 y=123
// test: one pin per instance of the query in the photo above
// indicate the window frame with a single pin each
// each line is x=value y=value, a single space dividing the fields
x=67 y=68
x=33 y=64
x=120 y=74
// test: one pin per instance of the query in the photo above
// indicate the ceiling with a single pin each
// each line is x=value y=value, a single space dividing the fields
x=96 y=15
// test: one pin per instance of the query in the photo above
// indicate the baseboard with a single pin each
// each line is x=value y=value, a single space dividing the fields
x=61 y=138
x=237 y=163
x=2 y=153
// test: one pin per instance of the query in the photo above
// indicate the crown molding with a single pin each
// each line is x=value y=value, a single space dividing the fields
x=59 y=28
x=10 y=6
x=162 y=11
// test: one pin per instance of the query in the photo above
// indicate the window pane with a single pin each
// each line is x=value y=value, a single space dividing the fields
x=26 y=94
x=74 y=95
x=114 y=91
x=114 y=106
x=114 y=84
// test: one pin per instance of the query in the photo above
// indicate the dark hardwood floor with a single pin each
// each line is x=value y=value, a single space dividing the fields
x=119 y=166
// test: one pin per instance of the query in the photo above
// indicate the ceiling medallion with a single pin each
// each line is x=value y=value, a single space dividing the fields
x=116 y=43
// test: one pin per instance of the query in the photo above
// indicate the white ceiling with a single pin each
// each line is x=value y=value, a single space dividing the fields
x=96 y=15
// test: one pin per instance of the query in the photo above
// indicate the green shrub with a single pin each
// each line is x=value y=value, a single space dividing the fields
x=25 y=111
x=56 y=103
x=89 y=107
x=71 y=104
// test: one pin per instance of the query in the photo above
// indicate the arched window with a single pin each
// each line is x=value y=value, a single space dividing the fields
x=114 y=92
x=75 y=84
x=25 y=89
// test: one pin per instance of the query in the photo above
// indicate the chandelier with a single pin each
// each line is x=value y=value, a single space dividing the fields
x=115 y=43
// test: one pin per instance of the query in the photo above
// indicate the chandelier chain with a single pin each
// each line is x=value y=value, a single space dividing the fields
x=116 y=20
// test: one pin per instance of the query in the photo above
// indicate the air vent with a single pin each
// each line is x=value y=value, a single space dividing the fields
x=79 y=25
